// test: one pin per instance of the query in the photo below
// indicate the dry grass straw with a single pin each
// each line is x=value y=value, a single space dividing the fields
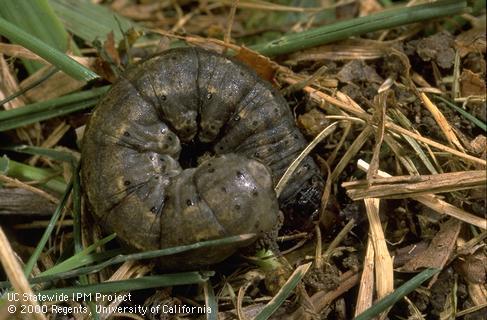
x=347 y=50
x=440 y=206
x=17 y=51
x=228 y=32
x=346 y=158
x=294 y=165
x=400 y=187
x=478 y=293
x=16 y=276
x=380 y=115
x=442 y=122
x=9 y=86
x=269 y=6
x=455 y=87
x=128 y=270
x=338 y=239
x=26 y=186
x=415 y=313
x=346 y=131
x=345 y=103
x=366 y=289
x=57 y=85
x=384 y=272
x=318 y=258
x=469 y=247
x=471 y=310
x=354 y=148
x=51 y=141
x=254 y=277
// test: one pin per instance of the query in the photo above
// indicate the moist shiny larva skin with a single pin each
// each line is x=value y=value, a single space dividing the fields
x=134 y=182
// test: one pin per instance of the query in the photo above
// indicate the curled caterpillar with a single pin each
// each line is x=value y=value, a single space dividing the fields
x=140 y=181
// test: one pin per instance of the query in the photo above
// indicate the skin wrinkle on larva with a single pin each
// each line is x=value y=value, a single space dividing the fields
x=194 y=207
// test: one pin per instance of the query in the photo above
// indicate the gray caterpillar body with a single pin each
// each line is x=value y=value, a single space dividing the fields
x=131 y=172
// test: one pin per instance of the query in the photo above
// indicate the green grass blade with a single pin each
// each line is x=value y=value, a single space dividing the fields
x=139 y=256
x=78 y=245
x=266 y=260
x=34 y=84
x=283 y=293
x=47 y=233
x=165 y=280
x=4 y=164
x=25 y=172
x=374 y=22
x=49 y=53
x=388 y=301
x=40 y=111
x=404 y=121
x=37 y=18
x=53 y=103
x=465 y=114
x=45 y=152
x=91 y=21
x=94 y=257
x=81 y=254
x=211 y=302
x=41 y=116
x=80 y=259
